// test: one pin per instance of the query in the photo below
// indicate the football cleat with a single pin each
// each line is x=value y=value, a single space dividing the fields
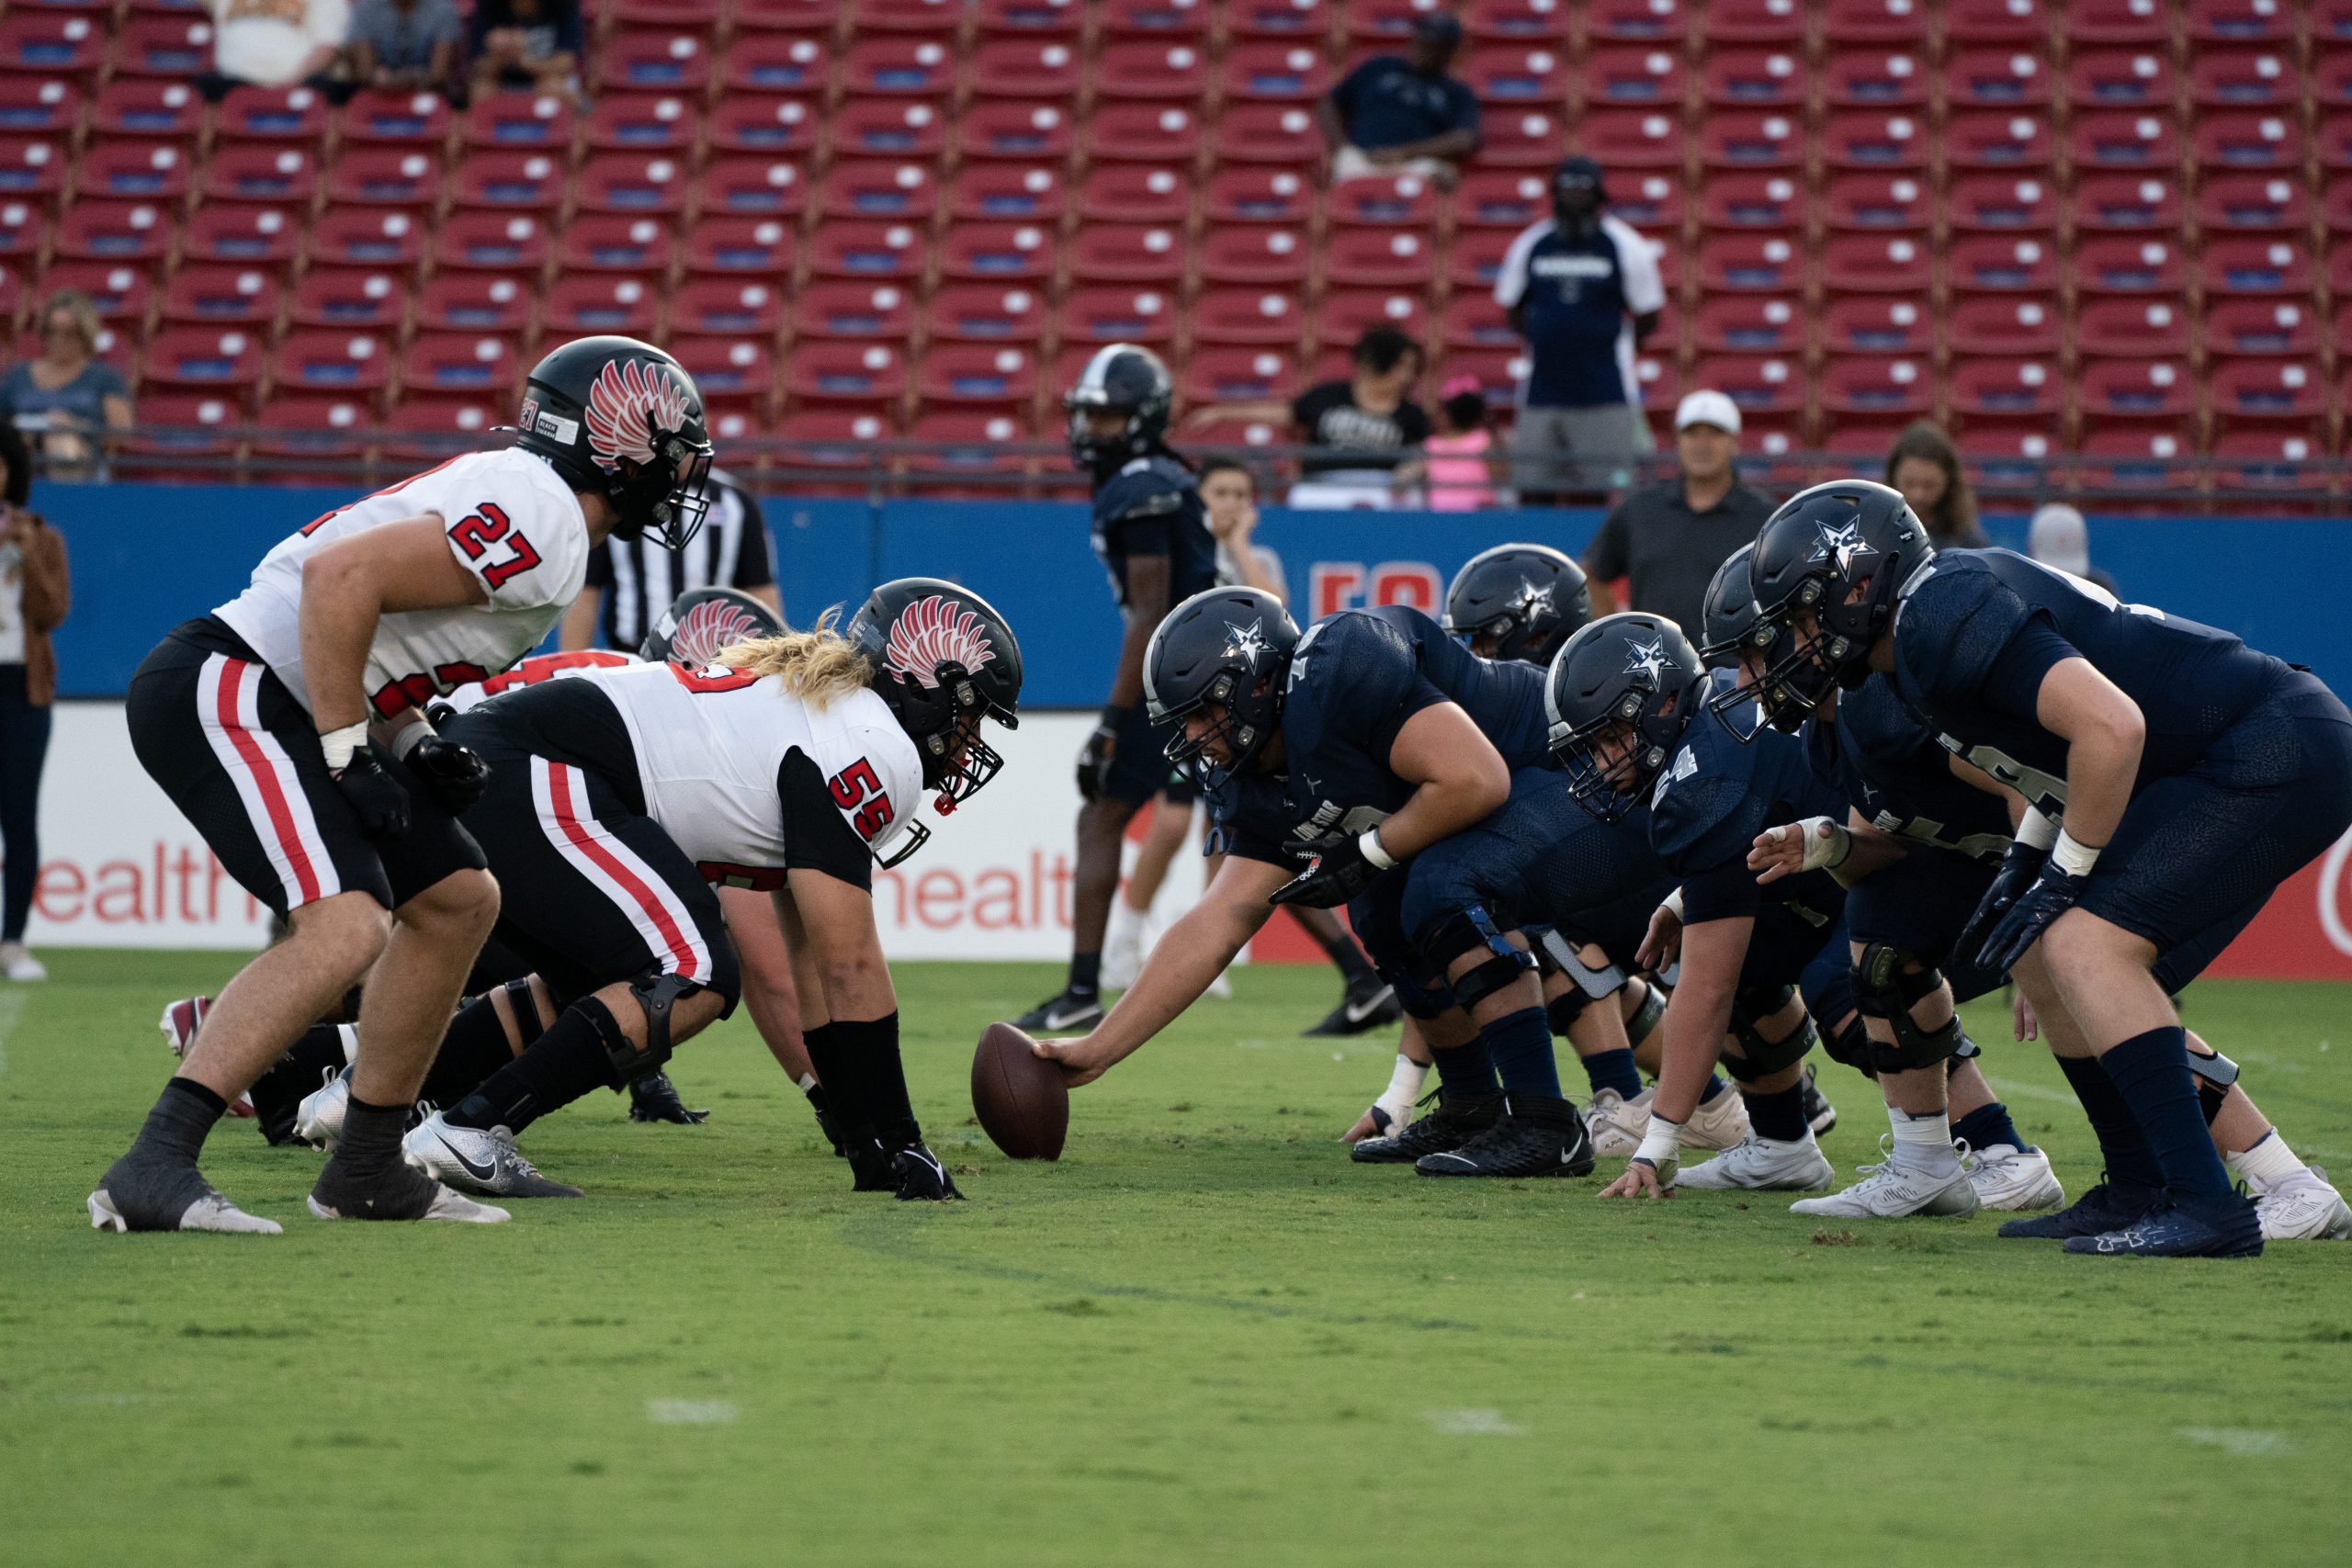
x=1457 y=1120
x=653 y=1097
x=1819 y=1114
x=2107 y=1207
x=1123 y=947
x=1764 y=1165
x=477 y=1161
x=821 y=1109
x=1532 y=1138
x=920 y=1178
x=1619 y=1125
x=2302 y=1207
x=397 y=1202
x=1368 y=1003
x=2009 y=1178
x=1890 y=1193
x=318 y=1121
x=179 y=1023
x=1061 y=1014
x=2213 y=1228
x=869 y=1163
x=1721 y=1123
x=142 y=1192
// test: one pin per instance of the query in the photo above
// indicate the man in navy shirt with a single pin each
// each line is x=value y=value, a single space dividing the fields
x=1402 y=115
x=1583 y=290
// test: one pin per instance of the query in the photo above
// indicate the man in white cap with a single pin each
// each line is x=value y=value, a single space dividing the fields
x=2059 y=537
x=1664 y=540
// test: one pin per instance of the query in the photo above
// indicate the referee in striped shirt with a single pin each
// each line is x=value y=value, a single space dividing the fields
x=631 y=582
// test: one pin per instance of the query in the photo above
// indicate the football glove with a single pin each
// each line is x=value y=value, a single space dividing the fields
x=1094 y=758
x=1337 y=872
x=376 y=797
x=452 y=774
x=2052 y=894
x=2019 y=869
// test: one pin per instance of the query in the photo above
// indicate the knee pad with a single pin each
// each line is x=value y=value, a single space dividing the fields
x=524 y=1005
x=1562 y=1012
x=654 y=994
x=1416 y=994
x=1764 y=1057
x=1885 y=989
x=1646 y=1017
x=1467 y=931
x=1966 y=1051
x=1851 y=1046
x=2214 y=1075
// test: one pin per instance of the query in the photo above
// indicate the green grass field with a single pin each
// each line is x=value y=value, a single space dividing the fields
x=1202 y=1337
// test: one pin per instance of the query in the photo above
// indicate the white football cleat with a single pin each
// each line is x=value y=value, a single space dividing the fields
x=1123 y=947
x=1718 y=1123
x=1764 y=1165
x=477 y=1161
x=318 y=1121
x=2303 y=1207
x=17 y=963
x=2008 y=1178
x=209 y=1213
x=1889 y=1192
x=1618 y=1124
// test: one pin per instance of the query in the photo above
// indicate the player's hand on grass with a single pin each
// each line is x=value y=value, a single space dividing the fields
x=1813 y=844
x=376 y=797
x=1080 y=1059
x=1640 y=1180
x=1662 y=943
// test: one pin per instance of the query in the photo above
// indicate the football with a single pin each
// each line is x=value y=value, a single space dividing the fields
x=1021 y=1100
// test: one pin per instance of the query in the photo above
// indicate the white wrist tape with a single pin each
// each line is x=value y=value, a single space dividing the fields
x=2075 y=857
x=339 y=744
x=409 y=738
x=1374 y=851
x=1673 y=904
x=2037 y=831
x=1662 y=1144
x=1404 y=1088
x=1822 y=850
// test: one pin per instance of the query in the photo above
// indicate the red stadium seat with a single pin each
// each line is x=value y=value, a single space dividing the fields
x=900 y=129
x=643 y=122
x=1176 y=70
x=1635 y=77
x=2133 y=329
x=934 y=16
x=122 y=294
x=352 y=298
x=285 y=176
x=2266 y=392
x=771 y=63
x=1997 y=324
x=1751 y=262
x=480 y=302
x=733 y=373
x=23 y=232
x=1624 y=22
x=1871 y=139
x=2330 y=83
x=393 y=116
x=1499 y=371
x=1375 y=258
x=1134 y=193
x=1030 y=132
x=58 y=45
x=1847 y=24
x=176 y=47
x=2249 y=79
x=1879 y=80
x=1161 y=19
x=2121 y=265
x=1630 y=139
x=1649 y=201
x=1256 y=194
x=2128 y=203
x=405 y=177
x=971 y=444
x=1867 y=324
x=2117 y=79
x=871 y=251
x=1168 y=133
x=1475 y=259
x=632 y=182
x=915 y=67
x=1519 y=138
x=494 y=242
x=781 y=15
x=1501 y=198
x=1884 y=388
x=1238 y=376
x=1034 y=70
x=2000 y=264
x=900 y=191
x=1988 y=22
x=832 y=372
x=2270 y=265
x=1309 y=19
x=517 y=181
x=824 y=441
x=521 y=120
x=127 y=108
x=477 y=364
x=1755 y=21
x=271 y=114
x=223 y=297
x=772 y=126
x=1506 y=75
x=987 y=375
x=1475 y=321
x=2137 y=390
x=2005 y=389
x=2134 y=22
x=1031 y=193
x=1750 y=140
x=345 y=363
x=2265 y=459
x=650 y=60
x=1024 y=252
x=1873 y=264
x=603 y=302
x=1095 y=316
x=2256 y=327
x=2136 y=458
x=2263 y=22
x=114 y=230
x=1256 y=256
x=609 y=243
x=1248 y=316
x=1998 y=79
x=2002 y=140
x=883 y=312
x=260 y=236
x=1884 y=202
x=2134 y=140
x=1758 y=325
x=1520 y=21
x=2250 y=141
x=2004 y=204
x=126 y=171
x=426 y=426
x=1061 y=16
x=983 y=313
x=1764 y=385
x=1385 y=201
x=1737 y=200
x=180 y=428
x=2334 y=143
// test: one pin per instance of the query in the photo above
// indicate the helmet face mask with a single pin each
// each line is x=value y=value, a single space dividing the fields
x=1735 y=636
x=1619 y=696
x=621 y=419
x=1223 y=655
x=1121 y=378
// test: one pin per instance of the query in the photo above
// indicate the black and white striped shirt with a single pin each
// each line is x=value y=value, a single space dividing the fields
x=640 y=578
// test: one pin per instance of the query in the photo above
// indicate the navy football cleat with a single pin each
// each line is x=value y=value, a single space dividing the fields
x=1457 y=1119
x=2195 y=1227
x=2109 y=1206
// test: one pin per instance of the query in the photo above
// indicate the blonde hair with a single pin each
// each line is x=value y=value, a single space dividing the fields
x=77 y=304
x=816 y=666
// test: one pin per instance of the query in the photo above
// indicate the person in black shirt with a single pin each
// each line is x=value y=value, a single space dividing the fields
x=1667 y=539
x=1395 y=115
x=630 y=581
x=1370 y=422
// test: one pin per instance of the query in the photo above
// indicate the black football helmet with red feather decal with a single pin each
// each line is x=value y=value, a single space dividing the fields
x=942 y=659
x=701 y=621
x=621 y=419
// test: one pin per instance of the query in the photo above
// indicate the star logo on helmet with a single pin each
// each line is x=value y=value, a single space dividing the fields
x=1246 y=643
x=1843 y=544
x=1534 y=600
x=1647 y=659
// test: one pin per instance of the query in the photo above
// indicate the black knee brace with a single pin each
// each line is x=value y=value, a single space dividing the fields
x=1764 y=1057
x=524 y=1005
x=654 y=995
x=2214 y=1075
x=1851 y=1046
x=1562 y=1012
x=1564 y=956
x=1467 y=931
x=1646 y=1017
x=1885 y=989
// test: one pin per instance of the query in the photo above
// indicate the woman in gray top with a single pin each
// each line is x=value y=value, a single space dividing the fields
x=67 y=401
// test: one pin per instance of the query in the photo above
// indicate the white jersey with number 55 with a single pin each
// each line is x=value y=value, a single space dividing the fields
x=511 y=520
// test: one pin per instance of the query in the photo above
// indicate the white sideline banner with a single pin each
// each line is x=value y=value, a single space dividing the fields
x=121 y=868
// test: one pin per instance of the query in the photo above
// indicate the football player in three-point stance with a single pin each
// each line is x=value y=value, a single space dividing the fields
x=286 y=726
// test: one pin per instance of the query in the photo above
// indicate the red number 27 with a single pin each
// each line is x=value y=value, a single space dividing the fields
x=488 y=524
x=857 y=783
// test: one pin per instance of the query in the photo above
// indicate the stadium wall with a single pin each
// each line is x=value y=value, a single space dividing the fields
x=122 y=869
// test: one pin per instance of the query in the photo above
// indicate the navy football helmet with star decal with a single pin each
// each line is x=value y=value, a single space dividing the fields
x=1227 y=648
x=1838 y=555
x=1617 y=698
x=1517 y=602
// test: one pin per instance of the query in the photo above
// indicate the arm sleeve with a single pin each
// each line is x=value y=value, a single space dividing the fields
x=1511 y=280
x=2013 y=684
x=1721 y=893
x=817 y=834
x=1605 y=558
x=1637 y=265
x=751 y=566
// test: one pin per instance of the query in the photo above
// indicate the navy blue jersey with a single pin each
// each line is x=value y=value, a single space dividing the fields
x=1152 y=507
x=1888 y=766
x=1355 y=680
x=1713 y=797
x=1976 y=631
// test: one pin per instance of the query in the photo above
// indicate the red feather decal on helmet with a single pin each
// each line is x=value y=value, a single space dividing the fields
x=709 y=626
x=934 y=631
x=628 y=403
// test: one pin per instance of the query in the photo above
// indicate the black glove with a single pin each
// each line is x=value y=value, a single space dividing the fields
x=2018 y=868
x=653 y=1097
x=452 y=774
x=1095 y=757
x=376 y=798
x=2052 y=894
x=1337 y=873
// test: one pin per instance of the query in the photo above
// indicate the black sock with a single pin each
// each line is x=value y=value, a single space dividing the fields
x=1085 y=974
x=1345 y=956
x=1987 y=1126
x=372 y=1137
x=472 y=1048
x=868 y=1052
x=182 y=1118
x=1780 y=1117
x=837 y=1076
x=2151 y=1072
x=563 y=1064
x=1466 y=1070
x=2124 y=1149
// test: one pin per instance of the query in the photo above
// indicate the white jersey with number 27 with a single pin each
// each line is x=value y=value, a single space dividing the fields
x=510 y=521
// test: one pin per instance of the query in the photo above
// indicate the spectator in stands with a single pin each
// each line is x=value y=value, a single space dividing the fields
x=1925 y=465
x=2059 y=537
x=1460 y=461
x=33 y=597
x=631 y=582
x=67 y=399
x=1403 y=115
x=408 y=44
x=277 y=43
x=1667 y=539
x=1370 y=424
x=531 y=44
x=1583 y=288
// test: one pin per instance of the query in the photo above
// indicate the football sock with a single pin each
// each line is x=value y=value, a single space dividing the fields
x=1923 y=1143
x=372 y=1137
x=1780 y=1117
x=563 y=1064
x=2130 y=1161
x=838 y=1076
x=1716 y=1086
x=2151 y=1071
x=1085 y=977
x=1345 y=956
x=473 y=1047
x=1520 y=1046
x=1613 y=1069
x=1986 y=1126
x=182 y=1118
x=2269 y=1163
x=868 y=1051
x=1467 y=1069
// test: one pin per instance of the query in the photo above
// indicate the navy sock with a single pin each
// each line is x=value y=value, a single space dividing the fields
x=1780 y=1117
x=1467 y=1069
x=2121 y=1146
x=1988 y=1125
x=1085 y=973
x=561 y=1065
x=1613 y=1069
x=1520 y=1044
x=1345 y=956
x=1716 y=1086
x=2151 y=1071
